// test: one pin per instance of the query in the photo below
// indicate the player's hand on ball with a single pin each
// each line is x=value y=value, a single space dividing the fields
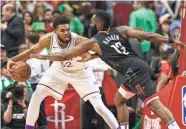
x=179 y=45
x=38 y=56
x=10 y=63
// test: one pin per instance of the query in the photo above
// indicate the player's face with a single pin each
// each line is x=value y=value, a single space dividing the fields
x=63 y=33
x=93 y=27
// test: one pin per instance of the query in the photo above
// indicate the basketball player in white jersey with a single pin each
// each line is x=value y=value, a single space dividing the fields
x=56 y=78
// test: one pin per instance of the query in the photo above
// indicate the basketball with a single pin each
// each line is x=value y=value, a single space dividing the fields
x=21 y=72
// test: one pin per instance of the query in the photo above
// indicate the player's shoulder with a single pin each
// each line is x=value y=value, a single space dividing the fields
x=123 y=28
x=79 y=39
x=46 y=38
x=74 y=35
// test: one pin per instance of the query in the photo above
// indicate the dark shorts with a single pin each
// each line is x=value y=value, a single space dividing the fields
x=137 y=81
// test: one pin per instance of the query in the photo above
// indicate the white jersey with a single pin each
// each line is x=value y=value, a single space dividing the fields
x=70 y=65
x=60 y=74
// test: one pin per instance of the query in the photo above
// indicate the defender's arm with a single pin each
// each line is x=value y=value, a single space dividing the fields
x=85 y=46
x=152 y=37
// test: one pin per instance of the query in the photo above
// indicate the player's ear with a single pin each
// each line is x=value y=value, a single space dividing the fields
x=98 y=26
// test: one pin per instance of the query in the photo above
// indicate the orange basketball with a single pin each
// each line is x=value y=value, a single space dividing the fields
x=21 y=72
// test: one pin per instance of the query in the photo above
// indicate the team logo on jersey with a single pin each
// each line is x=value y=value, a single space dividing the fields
x=184 y=105
x=139 y=89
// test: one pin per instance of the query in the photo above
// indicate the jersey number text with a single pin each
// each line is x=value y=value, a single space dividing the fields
x=66 y=64
x=119 y=48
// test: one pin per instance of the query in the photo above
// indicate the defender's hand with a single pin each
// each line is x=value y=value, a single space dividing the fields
x=41 y=57
x=179 y=45
x=85 y=57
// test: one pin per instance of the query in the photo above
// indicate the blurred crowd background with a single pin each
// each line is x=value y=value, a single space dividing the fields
x=26 y=21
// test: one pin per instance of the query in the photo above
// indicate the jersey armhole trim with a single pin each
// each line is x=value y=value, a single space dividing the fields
x=51 y=42
x=74 y=41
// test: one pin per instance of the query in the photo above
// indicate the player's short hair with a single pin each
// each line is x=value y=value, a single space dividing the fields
x=60 y=20
x=105 y=17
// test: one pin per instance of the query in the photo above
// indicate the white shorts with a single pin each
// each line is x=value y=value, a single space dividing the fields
x=82 y=82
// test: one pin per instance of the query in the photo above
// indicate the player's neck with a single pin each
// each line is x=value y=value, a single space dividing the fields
x=62 y=45
x=104 y=30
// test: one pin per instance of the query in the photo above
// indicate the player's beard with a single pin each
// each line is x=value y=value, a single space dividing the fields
x=93 y=31
x=64 y=41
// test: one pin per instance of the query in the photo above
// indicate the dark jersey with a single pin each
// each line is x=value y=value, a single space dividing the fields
x=116 y=50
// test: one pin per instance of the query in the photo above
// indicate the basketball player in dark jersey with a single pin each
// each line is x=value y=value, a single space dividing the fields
x=113 y=47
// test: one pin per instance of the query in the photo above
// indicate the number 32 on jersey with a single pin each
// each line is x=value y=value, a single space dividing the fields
x=119 y=48
x=66 y=64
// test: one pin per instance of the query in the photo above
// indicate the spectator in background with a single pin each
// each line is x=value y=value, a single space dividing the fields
x=158 y=8
x=166 y=74
x=3 y=55
x=55 y=14
x=15 y=110
x=23 y=47
x=48 y=18
x=38 y=12
x=28 y=20
x=175 y=32
x=39 y=27
x=175 y=27
x=145 y=19
x=98 y=67
x=75 y=24
x=87 y=9
x=38 y=67
x=13 y=30
x=164 y=26
x=5 y=77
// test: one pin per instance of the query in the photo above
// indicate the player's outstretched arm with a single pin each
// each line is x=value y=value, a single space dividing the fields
x=86 y=56
x=152 y=37
x=85 y=46
x=44 y=42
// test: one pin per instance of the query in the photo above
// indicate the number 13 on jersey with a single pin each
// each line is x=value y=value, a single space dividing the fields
x=119 y=48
